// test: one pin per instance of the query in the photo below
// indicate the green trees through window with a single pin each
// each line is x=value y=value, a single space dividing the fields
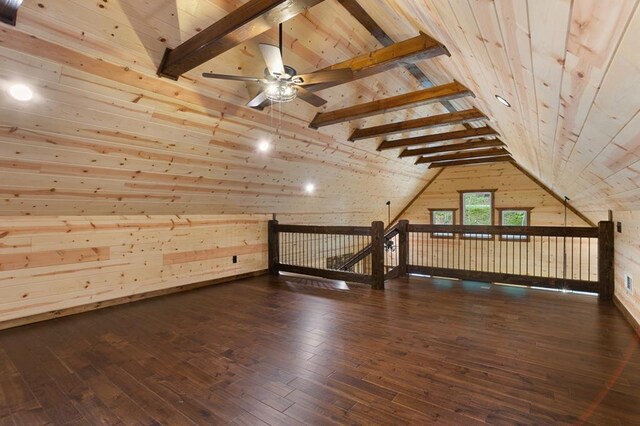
x=477 y=208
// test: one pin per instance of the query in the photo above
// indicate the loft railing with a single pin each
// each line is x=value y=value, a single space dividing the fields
x=573 y=258
x=391 y=253
x=324 y=250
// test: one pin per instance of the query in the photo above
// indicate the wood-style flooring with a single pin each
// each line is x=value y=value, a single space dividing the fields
x=291 y=350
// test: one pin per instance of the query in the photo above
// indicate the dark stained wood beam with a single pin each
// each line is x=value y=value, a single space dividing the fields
x=244 y=23
x=495 y=159
x=367 y=21
x=439 y=137
x=448 y=119
x=449 y=91
x=414 y=49
x=490 y=143
x=478 y=153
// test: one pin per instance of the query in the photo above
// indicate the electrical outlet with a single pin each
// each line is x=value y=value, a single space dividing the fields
x=619 y=226
x=628 y=283
x=234 y=259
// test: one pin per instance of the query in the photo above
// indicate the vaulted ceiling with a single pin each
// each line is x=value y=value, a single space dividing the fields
x=105 y=135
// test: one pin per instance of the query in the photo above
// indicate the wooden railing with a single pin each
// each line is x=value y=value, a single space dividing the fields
x=324 y=251
x=572 y=258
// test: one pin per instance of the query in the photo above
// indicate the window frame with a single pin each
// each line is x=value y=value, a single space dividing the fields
x=527 y=210
x=492 y=214
x=443 y=235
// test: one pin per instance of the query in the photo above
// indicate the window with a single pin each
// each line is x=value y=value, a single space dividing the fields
x=518 y=216
x=477 y=210
x=442 y=217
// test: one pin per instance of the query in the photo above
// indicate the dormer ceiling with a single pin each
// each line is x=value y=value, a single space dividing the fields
x=106 y=135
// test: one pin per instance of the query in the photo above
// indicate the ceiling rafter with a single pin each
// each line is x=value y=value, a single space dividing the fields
x=434 y=94
x=242 y=24
x=367 y=21
x=439 y=137
x=489 y=152
x=448 y=119
x=487 y=143
x=495 y=159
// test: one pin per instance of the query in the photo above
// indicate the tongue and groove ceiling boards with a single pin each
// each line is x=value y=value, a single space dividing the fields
x=106 y=135
x=570 y=70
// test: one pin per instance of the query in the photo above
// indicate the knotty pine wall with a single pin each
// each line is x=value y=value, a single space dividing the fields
x=53 y=263
x=627 y=261
x=513 y=189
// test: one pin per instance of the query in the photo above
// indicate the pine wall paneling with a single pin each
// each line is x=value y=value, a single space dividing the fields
x=54 y=263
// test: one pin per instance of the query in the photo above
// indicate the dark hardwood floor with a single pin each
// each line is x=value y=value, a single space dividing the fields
x=291 y=350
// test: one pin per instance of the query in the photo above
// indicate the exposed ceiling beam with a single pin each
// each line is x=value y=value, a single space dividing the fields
x=9 y=11
x=395 y=103
x=367 y=21
x=439 y=137
x=490 y=143
x=244 y=23
x=490 y=152
x=495 y=159
x=414 y=49
x=449 y=119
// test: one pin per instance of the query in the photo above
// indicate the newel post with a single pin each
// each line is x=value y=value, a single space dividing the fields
x=403 y=246
x=605 y=261
x=273 y=245
x=377 y=255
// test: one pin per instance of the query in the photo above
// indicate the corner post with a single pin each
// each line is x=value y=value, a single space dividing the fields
x=273 y=247
x=377 y=255
x=403 y=246
x=605 y=261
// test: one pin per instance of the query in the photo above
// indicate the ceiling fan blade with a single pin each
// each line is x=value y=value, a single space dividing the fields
x=342 y=74
x=273 y=58
x=310 y=97
x=230 y=77
x=258 y=100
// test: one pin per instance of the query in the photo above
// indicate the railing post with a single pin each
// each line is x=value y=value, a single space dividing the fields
x=605 y=261
x=403 y=246
x=377 y=255
x=273 y=244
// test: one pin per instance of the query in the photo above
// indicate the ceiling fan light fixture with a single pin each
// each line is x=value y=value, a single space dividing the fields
x=281 y=91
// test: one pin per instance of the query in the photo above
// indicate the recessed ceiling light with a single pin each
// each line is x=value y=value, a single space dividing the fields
x=264 y=146
x=503 y=101
x=20 y=92
x=309 y=188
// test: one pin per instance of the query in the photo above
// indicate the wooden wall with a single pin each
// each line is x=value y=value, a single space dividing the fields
x=104 y=135
x=514 y=189
x=53 y=263
x=627 y=261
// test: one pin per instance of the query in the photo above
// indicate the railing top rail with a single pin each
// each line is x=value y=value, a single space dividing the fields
x=311 y=229
x=551 y=231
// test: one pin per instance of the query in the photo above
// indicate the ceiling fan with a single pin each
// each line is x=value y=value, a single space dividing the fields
x=281 y=83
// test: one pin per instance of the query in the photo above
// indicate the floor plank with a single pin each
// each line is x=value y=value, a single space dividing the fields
x=292 y=350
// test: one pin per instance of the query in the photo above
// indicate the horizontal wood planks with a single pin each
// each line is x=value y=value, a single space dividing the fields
x=109 y=131
x=55 y=263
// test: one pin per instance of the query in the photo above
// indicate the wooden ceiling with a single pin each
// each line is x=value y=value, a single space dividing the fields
x=105 y=135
